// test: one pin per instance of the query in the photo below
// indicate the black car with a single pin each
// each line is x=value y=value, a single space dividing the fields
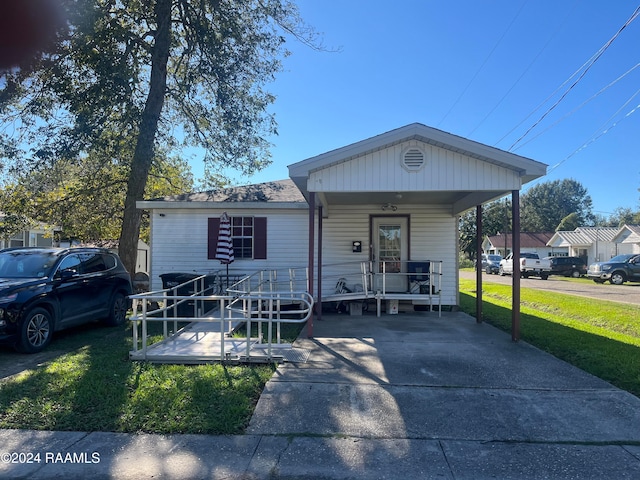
x=568 y=266
x=43 y=290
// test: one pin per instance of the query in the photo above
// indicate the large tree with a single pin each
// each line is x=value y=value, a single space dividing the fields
x=544 y=206
x=161 y=72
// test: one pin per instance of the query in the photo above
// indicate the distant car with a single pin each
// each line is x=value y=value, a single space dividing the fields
x=43 y=290
x=619 y=269
x=568 y=266
x=531 y=265
x=491 y=263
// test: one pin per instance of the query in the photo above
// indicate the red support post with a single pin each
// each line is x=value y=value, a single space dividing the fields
x=312 y=234
x=479 y=264
x=515 y=245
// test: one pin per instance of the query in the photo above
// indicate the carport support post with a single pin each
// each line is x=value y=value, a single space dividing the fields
x=515 y=276
x=319 y=309
x=479 y=264
x=312 y=233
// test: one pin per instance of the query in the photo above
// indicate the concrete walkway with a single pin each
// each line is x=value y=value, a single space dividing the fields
x=400 y=396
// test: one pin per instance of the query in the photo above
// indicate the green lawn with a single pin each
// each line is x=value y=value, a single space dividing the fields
x=600 y=337
x=94 y=387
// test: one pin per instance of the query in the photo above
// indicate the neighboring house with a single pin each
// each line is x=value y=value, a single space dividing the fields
x=395 y=196
x=629 y=235
x=594 y=244
x=38 y=236
x=529 y=242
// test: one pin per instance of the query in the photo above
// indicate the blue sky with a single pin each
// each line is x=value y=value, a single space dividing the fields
x=485 y=70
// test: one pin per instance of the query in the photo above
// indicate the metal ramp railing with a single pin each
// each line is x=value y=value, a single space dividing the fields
x=170 y=326
x=419 y=281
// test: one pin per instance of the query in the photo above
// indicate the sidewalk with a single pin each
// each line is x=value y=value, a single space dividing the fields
x=400 y=396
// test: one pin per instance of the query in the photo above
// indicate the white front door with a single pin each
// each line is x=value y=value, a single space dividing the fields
x=390 y=241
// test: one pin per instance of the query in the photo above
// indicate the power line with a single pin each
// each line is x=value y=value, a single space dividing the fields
x=483 y=64
x=597 y=94
x=605 y=130
x=595 y=58
x=525 y=70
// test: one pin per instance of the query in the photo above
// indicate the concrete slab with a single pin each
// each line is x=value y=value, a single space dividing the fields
x=406 y=396
x=472 y=461
x=348 y=458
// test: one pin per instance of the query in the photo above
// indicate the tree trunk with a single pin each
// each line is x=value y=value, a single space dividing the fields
x=144 y=150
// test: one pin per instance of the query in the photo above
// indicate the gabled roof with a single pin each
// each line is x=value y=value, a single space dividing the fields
x=628 y=234
x=582 y=236
x=280 y=191
x=459 y=173
x=527 y=239
x=530 y=169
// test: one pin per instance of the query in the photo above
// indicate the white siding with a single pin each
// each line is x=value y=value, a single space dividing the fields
x=444 y=170
x=179 y=242
x=433 y=236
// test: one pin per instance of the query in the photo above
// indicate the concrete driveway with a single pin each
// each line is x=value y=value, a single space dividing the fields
x=414 y=395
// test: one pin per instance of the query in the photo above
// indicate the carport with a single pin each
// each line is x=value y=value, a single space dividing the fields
x=421 y=180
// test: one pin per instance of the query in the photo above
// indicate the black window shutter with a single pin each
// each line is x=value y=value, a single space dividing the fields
x=260 y=238
x=212 y=237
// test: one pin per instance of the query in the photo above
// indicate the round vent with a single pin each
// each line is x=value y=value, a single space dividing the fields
x=413 y=159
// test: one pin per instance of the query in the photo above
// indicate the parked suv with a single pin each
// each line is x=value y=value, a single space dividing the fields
x=491 y=262
x=43 y=290
x=568 y=266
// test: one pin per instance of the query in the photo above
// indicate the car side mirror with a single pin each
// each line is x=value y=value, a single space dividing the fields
x=67 y=274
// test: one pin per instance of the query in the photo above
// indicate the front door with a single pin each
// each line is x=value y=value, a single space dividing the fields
x=390 y=252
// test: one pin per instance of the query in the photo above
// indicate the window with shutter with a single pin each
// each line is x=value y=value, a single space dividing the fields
x=248 y=234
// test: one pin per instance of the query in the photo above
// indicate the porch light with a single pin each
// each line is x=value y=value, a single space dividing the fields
x=389 y=206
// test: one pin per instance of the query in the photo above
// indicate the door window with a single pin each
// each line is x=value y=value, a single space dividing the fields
x=390 y=247
x=71 y=263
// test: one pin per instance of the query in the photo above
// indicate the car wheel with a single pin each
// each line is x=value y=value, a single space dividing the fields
x=617 y=278
x=117 y=310
x=488 y=270
x=524 y=275
x=575 y=274
x=501 y=271
x=544 y=276
x=36 y=330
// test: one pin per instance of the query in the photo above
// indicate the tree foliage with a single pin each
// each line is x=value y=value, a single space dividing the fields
x=86 y=199
x=544 y=206
x=175 y=73
x=496 y=217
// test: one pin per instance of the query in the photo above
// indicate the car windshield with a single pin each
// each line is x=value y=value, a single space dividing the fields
x=621 y=258
x=495 y=258
x=22 y=264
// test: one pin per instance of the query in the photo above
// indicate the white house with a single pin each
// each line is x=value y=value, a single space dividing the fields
x=529 y=242
x=629 y=235
x=594 y=244
x=388 y=201
x=36 y=236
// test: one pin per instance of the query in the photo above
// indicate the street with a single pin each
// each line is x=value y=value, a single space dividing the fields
x=627 y=293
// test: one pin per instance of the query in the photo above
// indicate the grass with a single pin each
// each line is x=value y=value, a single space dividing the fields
x=602 y=338
x=95 y=387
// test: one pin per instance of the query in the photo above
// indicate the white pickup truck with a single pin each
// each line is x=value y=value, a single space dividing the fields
x=531 y=265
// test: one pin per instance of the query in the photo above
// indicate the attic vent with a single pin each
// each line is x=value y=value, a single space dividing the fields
x=413 y=159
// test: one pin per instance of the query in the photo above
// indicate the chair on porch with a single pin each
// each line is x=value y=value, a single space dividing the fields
x=419 y=277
